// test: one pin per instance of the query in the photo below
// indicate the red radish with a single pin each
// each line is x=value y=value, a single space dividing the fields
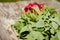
x=31 y=4
x=26 y=9
x=40 y=6
x=30 y=7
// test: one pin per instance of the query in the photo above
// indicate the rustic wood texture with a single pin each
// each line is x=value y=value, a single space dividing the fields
x=9 y=12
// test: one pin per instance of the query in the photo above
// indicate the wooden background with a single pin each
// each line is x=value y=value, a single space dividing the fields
x=9 y=12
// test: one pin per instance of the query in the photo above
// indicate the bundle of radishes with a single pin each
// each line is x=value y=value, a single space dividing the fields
x=38 y=22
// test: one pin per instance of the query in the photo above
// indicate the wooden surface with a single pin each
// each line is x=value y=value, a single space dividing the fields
x=9 y=12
